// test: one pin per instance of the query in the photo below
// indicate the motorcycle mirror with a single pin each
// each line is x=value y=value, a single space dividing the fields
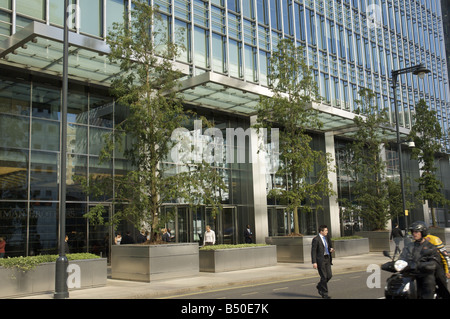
x=386 y=253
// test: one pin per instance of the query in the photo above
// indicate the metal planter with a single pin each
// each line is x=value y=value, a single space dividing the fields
x=378 y=240
x=154 y=262
x=350 y=247
x=292 y=249
x=14 y=283
x=221 y=260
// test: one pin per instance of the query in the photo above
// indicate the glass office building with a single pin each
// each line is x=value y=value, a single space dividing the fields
x=349 y=44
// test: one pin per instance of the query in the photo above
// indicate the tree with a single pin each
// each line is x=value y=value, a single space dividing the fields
x=146 y=88
x=290 y=110
x=426 y=134
x=373 y=191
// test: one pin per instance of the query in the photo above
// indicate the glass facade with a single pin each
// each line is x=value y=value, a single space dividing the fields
x=349 y=44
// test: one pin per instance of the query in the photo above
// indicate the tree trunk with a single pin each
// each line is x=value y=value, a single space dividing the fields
x=296 y=221
x=433 y=214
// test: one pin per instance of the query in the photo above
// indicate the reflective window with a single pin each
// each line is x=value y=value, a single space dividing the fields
x=13 y=174
x=76 y=169
x=248 y=8
x=97 y=140
x=13 y=227
x=101 y=111
x=44 y=176
x=114 y=12
x=235 y=58
x=91 y=17
x=44 y=135
x=310 y=26
x=14 y=97
x=263 y=11
x=77 y=107
x=34 y=9
x=183 y=40
x=46 y=102
x=5 y=4
x=5 y=25
x=56 y=9
x=43 y=228
x=201 y=47
x=218 y=53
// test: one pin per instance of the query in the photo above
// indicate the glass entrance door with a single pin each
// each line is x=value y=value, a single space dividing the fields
x=100 y=236
x=224 y=224
x=280 y=221
x=229 y=229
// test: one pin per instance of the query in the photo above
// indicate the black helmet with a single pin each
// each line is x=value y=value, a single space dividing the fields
x=419 y=226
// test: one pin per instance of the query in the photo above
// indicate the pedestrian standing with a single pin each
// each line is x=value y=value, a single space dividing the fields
x=321 y=250
x=210 y=237
x=397 y=236
x=2 y=247
x=248 y=235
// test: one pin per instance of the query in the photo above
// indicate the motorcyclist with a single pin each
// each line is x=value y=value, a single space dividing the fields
x=425 y=257
x=442 y=273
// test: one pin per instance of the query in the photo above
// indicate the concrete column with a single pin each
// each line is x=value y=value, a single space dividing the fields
x=332 y=216
x=259 y=171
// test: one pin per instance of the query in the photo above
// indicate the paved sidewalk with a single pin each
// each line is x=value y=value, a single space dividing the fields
x=121 y=289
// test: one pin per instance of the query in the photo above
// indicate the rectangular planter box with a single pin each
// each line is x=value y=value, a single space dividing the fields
x=154 y=262
x=292 y=249
x=378 y=240
x=220 y=260
x=350 y=247
x=14 y=283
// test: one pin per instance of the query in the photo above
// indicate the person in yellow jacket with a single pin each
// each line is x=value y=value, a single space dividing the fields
x=442 y=274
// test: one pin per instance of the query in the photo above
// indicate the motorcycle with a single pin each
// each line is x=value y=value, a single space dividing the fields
x=402 y=284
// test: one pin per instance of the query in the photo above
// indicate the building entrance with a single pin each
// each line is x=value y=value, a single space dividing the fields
x=188 y=224
x=100 y=237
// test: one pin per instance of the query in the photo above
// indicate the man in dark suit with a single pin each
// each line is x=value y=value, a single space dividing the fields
x=321 y=259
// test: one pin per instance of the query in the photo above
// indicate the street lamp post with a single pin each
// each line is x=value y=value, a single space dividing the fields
x=419 y=70
x=61 y=289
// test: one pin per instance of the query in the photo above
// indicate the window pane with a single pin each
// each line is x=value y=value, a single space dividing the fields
x=101 y=111
x=35 y=9
x=235 y=59
x=14 y=98
x=77 y=167
x=91 y=17
x=114 y=12
x=5 y=4
x=96 y=140
x=14 y=131
x=13 y=174
x=44 y=176
x=200 y=47
x=56 y=12
x=100 y=169
x=218 y=49
x=44 y=135
x=182 y=39
x=77 y=139
x=43 y=228
x=250 y=63
x=14 y=227
x=5 y=25
x=46 y=102
x=77 y=107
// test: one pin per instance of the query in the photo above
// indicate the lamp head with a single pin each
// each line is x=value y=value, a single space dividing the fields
x=421 y=71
